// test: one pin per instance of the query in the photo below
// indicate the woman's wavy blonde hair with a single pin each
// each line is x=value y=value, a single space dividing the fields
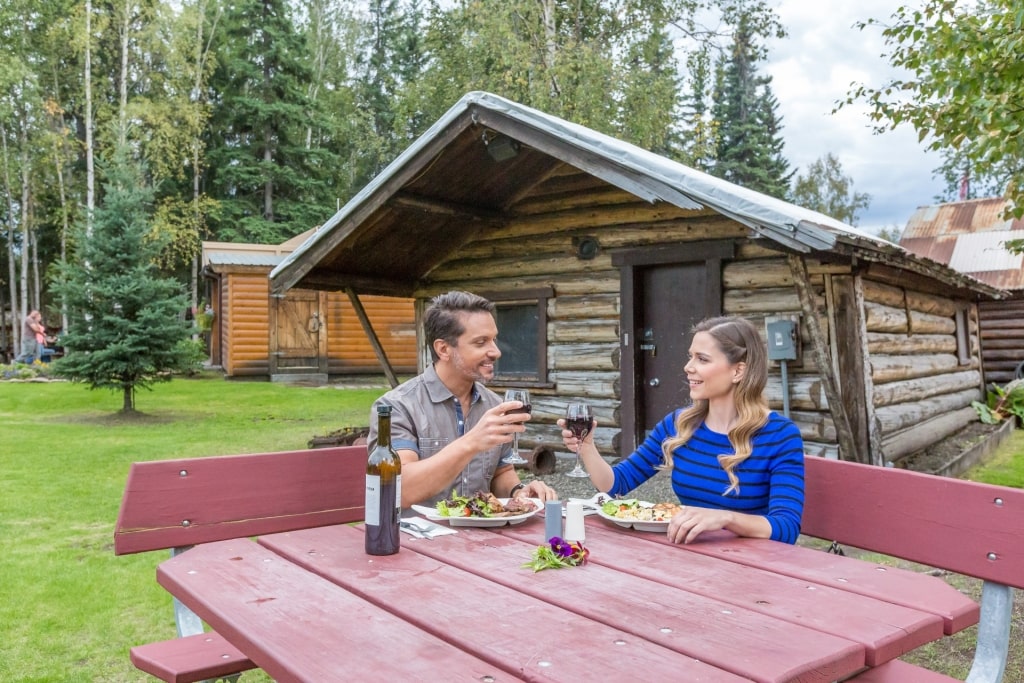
x=738 y=339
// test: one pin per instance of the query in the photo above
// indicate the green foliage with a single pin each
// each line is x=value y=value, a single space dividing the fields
x=124 y=319
x=891 y=233
x=191 y=355
x=750 y=141
x=828 y=190
x=1002 y=403
x=272 y=182
x=963 y=84
x=600 y=63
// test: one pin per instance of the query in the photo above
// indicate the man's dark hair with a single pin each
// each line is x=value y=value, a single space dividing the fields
x=443 y=318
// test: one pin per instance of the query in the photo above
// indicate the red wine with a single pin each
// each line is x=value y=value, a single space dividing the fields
x=383 y=491
x=527 y=408
x=579 y=426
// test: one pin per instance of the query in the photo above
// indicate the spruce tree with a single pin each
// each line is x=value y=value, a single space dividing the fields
x=749 y=128
x=270 y=184
x=125 y=321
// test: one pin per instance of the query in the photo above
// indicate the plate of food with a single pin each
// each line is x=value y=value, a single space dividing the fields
x=639 y=514
x=481 y=509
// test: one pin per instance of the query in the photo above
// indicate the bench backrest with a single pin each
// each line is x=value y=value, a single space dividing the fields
x=961 y=526
x=176 y=503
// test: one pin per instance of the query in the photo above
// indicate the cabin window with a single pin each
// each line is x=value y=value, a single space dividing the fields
x=963 y=337
x=522 y=337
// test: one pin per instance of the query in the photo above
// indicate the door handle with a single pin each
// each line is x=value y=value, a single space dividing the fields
x=655 y=382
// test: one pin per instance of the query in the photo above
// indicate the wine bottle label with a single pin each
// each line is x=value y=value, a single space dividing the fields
x=373 y=500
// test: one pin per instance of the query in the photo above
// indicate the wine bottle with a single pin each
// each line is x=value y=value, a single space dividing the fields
x=383 y=490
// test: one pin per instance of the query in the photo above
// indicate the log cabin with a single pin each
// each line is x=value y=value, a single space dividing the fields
x=304 y=335
x=600 y=256
x=968 y=236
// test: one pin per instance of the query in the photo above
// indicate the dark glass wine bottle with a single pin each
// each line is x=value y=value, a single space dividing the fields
x=383 y=490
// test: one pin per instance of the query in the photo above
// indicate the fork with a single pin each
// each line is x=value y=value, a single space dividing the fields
x=417 y=530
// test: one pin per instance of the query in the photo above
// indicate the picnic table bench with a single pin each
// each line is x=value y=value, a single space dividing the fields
x=955 y=525
x=176 y=504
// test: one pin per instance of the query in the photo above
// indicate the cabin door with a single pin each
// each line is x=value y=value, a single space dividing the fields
x=299 y=341
x=664 y=293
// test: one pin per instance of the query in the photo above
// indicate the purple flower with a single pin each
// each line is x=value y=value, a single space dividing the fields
x=561 y=547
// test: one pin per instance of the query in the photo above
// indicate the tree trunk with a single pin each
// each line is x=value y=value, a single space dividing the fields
x=128 y=405
x=90 y=170
x=59 y=170
x=26 y=237
x=122 y=109
x=12 y=273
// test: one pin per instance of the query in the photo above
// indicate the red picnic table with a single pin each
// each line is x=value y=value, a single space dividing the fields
x=310 y=605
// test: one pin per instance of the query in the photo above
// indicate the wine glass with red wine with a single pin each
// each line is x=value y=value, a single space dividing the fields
x=523 y=396
x=578 y=420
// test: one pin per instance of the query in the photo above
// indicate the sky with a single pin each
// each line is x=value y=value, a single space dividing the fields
x=811 y=70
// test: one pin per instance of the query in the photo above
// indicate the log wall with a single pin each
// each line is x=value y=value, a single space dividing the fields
x=911 y=373
x=1002 y=339
x=245 y=320
x=921 y=389
x=348 y=348
x=245 y=334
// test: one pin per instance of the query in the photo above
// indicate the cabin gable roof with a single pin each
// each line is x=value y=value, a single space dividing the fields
x=489 y=160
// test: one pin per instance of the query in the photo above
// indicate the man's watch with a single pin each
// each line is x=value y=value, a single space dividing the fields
x=515 y=489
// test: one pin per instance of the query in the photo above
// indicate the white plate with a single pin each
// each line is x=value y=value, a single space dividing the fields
x=434 y=516
x=637 y=524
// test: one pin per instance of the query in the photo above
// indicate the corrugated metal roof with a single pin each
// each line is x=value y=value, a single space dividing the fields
x=968 y=236
x=369 y=236
x=981 y=251
x=240 y=258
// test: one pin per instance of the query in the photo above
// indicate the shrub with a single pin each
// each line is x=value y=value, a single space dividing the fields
x=1002 y=402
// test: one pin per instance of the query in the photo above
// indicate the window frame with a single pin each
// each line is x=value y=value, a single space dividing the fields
x=537 y=297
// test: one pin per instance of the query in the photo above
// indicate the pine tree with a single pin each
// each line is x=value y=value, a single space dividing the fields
x=749 y=134
x=271 y=185
x=124 y=320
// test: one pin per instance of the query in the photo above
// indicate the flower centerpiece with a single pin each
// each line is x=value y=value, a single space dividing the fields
x=558 y=553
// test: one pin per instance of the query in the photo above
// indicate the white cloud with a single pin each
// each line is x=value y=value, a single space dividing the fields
x=812 y=69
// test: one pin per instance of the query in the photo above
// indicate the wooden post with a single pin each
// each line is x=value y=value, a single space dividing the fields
x=819 y=347
x=364 y=320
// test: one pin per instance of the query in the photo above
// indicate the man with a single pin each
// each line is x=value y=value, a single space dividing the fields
x=30 y=346
x=450 y=431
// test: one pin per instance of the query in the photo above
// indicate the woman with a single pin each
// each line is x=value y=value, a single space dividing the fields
x=735 y=464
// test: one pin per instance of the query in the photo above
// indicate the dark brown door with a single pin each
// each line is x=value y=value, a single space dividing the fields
x=673 y=299
x=665 y=290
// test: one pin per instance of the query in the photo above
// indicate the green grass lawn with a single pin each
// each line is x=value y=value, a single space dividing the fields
x=70 y=609
x=1006 y=467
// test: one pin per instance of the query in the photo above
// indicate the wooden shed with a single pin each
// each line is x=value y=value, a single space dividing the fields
x=968 y=236
x=303 y=334
x=600 y=257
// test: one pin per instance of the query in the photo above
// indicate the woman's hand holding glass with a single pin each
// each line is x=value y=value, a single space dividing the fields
x=579 y=422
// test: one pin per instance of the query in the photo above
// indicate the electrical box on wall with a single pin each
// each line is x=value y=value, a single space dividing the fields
x=782 y=338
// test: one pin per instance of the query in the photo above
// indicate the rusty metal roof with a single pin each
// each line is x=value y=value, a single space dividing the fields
x=968 y=236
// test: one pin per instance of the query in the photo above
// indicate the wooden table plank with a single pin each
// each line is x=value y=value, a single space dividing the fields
x=533 y=638
x=886 y=630
x=744 y=642
x=890 y=584
x=299 y=627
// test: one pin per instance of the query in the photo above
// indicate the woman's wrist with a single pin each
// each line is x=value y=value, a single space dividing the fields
x=516 y=489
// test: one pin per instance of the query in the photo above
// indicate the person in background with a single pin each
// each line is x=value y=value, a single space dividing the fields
x=32 y=331
x=735 y=464
x=451 y=431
